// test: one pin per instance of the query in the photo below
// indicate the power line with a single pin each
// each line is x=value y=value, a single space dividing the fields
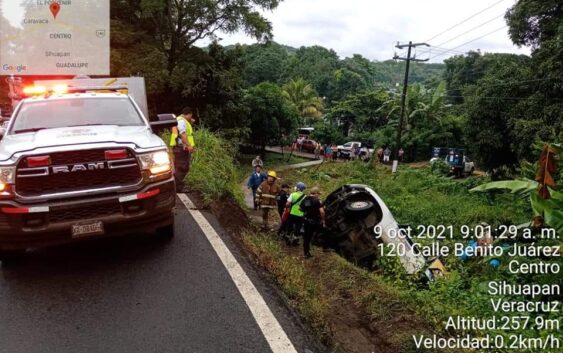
x=507 y=83
x=464 y=33
x=501 y=98
x=439 y=50
x=464 y=21
x=470 y=30
x=469 y=42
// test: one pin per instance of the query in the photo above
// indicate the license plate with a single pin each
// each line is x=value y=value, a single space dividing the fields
x=87 y=229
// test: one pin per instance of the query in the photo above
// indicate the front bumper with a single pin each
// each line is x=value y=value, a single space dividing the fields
x=50 y=223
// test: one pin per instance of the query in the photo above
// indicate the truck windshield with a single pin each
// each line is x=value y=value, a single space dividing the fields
x=56 y=113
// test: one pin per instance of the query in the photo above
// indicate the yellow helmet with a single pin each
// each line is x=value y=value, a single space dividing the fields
x=272 y=174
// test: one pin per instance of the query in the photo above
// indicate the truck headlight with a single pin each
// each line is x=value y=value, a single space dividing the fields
x=156 y=162
x=7 y=177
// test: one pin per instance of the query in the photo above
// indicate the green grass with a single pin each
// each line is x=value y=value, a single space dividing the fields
x=303 y=292
x=418 y=197
x=213 y=172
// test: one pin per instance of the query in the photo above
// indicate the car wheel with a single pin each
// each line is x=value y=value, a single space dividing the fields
x=8 y=257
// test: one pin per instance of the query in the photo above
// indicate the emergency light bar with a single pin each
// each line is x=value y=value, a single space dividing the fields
x=62 y=89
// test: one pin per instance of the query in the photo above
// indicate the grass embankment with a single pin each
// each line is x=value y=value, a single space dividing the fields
x=386 y=308
x=213 y=173
x=349 y=308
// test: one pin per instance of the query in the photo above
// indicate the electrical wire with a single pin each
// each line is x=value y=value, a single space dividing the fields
x=470 y=30
x=469 y=42
x=464 y=21
x=514 y=83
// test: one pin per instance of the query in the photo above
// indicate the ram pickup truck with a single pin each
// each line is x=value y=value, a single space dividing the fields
x=80 y=164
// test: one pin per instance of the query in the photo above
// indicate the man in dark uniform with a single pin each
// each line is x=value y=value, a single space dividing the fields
x=314 y=217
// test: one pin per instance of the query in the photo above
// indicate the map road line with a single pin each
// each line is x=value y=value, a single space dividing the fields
x=269 y=325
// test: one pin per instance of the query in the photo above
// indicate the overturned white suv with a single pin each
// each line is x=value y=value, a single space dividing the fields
x=81 y=163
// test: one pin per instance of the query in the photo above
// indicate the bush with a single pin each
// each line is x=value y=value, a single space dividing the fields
x=213 y=172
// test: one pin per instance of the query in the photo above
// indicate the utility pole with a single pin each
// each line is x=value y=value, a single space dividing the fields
x=408 y=59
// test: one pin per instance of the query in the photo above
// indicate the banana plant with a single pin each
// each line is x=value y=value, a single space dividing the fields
x=546 y=201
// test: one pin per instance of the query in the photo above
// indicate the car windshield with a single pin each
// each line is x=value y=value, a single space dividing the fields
x=50 y=114
x=348 y=144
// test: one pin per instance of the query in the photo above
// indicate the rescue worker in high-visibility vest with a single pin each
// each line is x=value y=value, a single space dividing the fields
x=183 y=146
x=295 y=219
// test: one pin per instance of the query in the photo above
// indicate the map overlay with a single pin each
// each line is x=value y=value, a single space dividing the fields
x=54 y=37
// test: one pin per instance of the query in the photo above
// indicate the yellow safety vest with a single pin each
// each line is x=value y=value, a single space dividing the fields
x=189 y=132
x=296 y=208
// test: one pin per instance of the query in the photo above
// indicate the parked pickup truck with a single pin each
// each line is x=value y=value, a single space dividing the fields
x=365 y=151
x=460 y=164
x=81 y=163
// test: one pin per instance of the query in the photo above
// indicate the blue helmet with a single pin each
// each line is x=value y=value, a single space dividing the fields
x=300 y=186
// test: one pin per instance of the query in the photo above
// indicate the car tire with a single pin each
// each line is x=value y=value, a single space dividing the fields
x=9 y=257
x=359 y=206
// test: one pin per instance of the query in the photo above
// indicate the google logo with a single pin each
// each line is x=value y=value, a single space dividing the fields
x=12 y=68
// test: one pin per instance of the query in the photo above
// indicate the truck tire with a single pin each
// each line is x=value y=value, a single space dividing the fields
x=359 y=206
x=8 y=257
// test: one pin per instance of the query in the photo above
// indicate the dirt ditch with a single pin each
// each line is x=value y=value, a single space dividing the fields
x=347 y=293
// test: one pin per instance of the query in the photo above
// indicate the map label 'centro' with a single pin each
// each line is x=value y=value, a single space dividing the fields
x=48 y=37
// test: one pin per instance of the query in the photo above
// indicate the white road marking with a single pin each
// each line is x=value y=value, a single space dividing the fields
x=270 y=327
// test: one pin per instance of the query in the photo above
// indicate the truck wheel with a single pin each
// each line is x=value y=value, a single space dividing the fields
x=8 y=257
x=166 y=232
x=359 y=206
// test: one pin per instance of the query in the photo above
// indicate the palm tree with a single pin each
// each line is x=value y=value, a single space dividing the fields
x=302 y=95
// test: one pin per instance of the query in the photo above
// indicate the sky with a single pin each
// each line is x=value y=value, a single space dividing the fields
x=373 y=27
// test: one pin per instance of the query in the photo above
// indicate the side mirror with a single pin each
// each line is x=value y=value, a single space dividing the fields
x=165 y=121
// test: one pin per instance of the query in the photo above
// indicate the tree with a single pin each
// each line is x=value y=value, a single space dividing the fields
x=265 y=62
x=270 y=114
x=360 y=112
x=327 y=133
x=535 y=22
x=538 y=23
x=314 y=64
x=490 y=110
x=176 y=25
x=304 y=98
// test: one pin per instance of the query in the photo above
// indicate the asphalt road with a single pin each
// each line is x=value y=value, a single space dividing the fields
x=136 y=294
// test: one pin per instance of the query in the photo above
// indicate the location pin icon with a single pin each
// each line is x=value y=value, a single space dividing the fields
x=55 y=7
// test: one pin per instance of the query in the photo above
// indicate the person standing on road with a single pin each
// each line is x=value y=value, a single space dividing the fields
x=317 y=150
x=256 y=179
x=295 y=219
x=183 y=147
x=401 y=154
x=386 y=155
x=380 y=154
x=267 y=193
x=334 y=152
x=314 y=217
x=328 y=153
x=257 y=161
